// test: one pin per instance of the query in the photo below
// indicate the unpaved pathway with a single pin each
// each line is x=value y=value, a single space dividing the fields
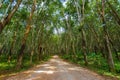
x=56 y=69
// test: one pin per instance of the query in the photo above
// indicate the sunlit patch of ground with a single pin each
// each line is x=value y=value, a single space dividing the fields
x=57 y=69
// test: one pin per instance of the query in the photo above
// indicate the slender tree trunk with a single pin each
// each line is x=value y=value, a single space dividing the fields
x=40 y=52
x=73 y=49
x=38 y=41
x=7 y=10
x=11 y=48
x=1 y=3
x=28 y=27
x=32 y=46
x=107 y=42
x=67 y=47
x=98 y=48
x=31 y=55
x=115 y=14
x=108 y=50
x=84 y=47
x=9 y=16
x=40 y=46
x=2 y=49
x=90 y=41
x=114 y=48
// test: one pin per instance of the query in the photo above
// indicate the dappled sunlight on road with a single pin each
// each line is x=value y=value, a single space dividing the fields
x=44 y=65
x=75 y=69
x=47 y=72
x=28 y=71
x=57 y=69
x=51 y=67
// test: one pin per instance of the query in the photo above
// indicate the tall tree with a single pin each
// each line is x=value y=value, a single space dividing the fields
x=7 y=19
x=28 y=27
x=107 y=42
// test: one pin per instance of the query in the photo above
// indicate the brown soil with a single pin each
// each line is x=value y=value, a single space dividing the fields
x=57 y=69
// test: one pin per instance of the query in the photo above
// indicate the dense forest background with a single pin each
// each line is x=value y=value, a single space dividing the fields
x=86 y=32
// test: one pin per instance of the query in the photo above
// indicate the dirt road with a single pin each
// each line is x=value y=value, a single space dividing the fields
x=56 y=69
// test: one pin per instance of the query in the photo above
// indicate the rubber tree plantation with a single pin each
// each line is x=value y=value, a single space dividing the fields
x=84 y=32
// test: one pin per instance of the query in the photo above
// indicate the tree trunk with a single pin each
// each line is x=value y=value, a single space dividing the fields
x=31 y=56
x=9 y=16
x=114 y=48
x=40 y=52
x=28 y=27
x=40 y=47
x=107 y=43
x=1 y=2
x=11 y=48
x=2 y=49
x=108 y=50
x=20 y=56
x=115 y=14
x=97 y=48
x=84 y=47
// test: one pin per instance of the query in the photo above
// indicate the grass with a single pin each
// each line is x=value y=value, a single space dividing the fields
x=96 y=63
x=9 y=68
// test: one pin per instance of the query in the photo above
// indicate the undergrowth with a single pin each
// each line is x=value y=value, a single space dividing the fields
x=96 y=63
x=10 y=67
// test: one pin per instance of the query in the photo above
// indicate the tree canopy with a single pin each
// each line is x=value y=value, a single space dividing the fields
x=84 y=31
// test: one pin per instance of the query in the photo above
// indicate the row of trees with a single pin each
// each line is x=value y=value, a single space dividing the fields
x=25 y=30
x=40 y=28
x=92 y=27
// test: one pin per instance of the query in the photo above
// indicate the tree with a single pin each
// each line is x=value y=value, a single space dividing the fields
x=28 y=27
x=7 y=19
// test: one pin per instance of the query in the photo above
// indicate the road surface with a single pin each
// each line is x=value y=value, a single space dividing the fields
x=57 y=69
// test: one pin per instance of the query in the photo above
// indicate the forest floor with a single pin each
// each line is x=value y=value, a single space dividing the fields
x=57 y=69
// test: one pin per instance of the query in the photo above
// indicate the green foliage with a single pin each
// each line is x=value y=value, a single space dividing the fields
x=117 y=67
x=69 y=17
x=96 y=63
x=9 y=67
